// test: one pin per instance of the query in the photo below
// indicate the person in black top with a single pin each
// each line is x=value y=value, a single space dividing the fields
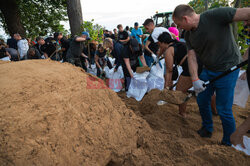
x=130 y=56
x=33 y=53
x=115 y=49
x=75 y=50
x=100 y=59
x=123 y=36
x=89 y=51
x=49 y=49
x=65 y=46
x=3 y=52
x=12 y=43
x=40 y=41
x=176 y=53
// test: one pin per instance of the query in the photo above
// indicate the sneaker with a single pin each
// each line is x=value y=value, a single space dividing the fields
x=204 y=133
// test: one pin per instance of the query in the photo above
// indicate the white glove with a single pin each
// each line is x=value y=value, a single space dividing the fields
x=100 y=70
x=198 y=86
x=156 y=59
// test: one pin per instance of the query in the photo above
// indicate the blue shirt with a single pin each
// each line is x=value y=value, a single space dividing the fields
x=135 y=33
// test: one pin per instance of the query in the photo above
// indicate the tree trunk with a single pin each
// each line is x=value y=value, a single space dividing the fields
x=11 y=13
x=74 y=11
x=235 y=25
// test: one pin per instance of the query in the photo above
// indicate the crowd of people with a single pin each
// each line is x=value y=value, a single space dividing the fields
x=207 y=50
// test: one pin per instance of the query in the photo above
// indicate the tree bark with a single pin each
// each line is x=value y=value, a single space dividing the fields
x=12 y=18
x=74 y=11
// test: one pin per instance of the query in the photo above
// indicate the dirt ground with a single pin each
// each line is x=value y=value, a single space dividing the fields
x=175 y=140
x=56 y=114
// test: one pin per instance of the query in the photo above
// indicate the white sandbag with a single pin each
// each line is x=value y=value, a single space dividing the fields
x=179 y=72
x=92 y=70
x=115 y=79
x=241 y=93
x=7 y=58
x=246 y=142
x=155 y=79
x=138 y=86
x=112 y=60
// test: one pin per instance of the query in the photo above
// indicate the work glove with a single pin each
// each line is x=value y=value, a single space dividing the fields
x=199 y=86
x=156 y=59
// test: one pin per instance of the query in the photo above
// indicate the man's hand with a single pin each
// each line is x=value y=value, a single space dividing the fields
x=131 y=74
x=198 y=86
x=243 y=76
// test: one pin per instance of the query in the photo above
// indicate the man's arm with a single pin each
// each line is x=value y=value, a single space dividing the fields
x=143 y=61
x=126 y=60
x=192 y=64
x=242 y=14
x=237 y=137
x=80 y=39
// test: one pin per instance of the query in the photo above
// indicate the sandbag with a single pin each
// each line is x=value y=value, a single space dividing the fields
x=241 y=92
x=7 y=58
x=92 y=70
x=114 y=79
x=138 y=86
x=246 y=142
x=155 y=79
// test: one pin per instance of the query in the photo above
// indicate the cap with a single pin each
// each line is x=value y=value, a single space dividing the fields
x=134 y=44
x=136 y=24
x=85 y=33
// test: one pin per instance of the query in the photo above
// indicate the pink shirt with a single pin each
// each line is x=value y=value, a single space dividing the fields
x=174 y=31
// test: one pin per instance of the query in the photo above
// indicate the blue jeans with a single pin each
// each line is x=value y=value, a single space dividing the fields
x=224 y=88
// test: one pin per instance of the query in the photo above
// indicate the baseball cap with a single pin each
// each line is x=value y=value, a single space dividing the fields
x=85 y=33
x=136 y=24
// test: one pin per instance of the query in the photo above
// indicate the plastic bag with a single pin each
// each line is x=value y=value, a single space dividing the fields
x=7 y=58
x=92 y=70
x=138 y=86
x=155 y=79
x=246 y=142
x=241 y=93
x=114 y=79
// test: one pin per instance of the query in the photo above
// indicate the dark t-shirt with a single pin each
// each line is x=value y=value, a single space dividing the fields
x=133 y=56
x=75 y=49
x=122 y=35
x=48 y=48
x=36 y=56
x=100 y=54
x=213 y=40
x=117 y=53
x=12 y=43
x=153 y=46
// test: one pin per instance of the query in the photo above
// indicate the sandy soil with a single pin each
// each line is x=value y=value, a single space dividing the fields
x=56 y=114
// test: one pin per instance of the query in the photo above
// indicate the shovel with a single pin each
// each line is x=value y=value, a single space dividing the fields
x=176 y=97
x=146 y=68
x=218 y=77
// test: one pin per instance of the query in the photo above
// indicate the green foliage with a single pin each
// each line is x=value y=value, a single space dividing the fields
x=199 y=5
x=95 y=30
x=41 y=17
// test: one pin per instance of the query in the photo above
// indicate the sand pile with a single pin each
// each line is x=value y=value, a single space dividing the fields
x=51 y=114
x=174 y=140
